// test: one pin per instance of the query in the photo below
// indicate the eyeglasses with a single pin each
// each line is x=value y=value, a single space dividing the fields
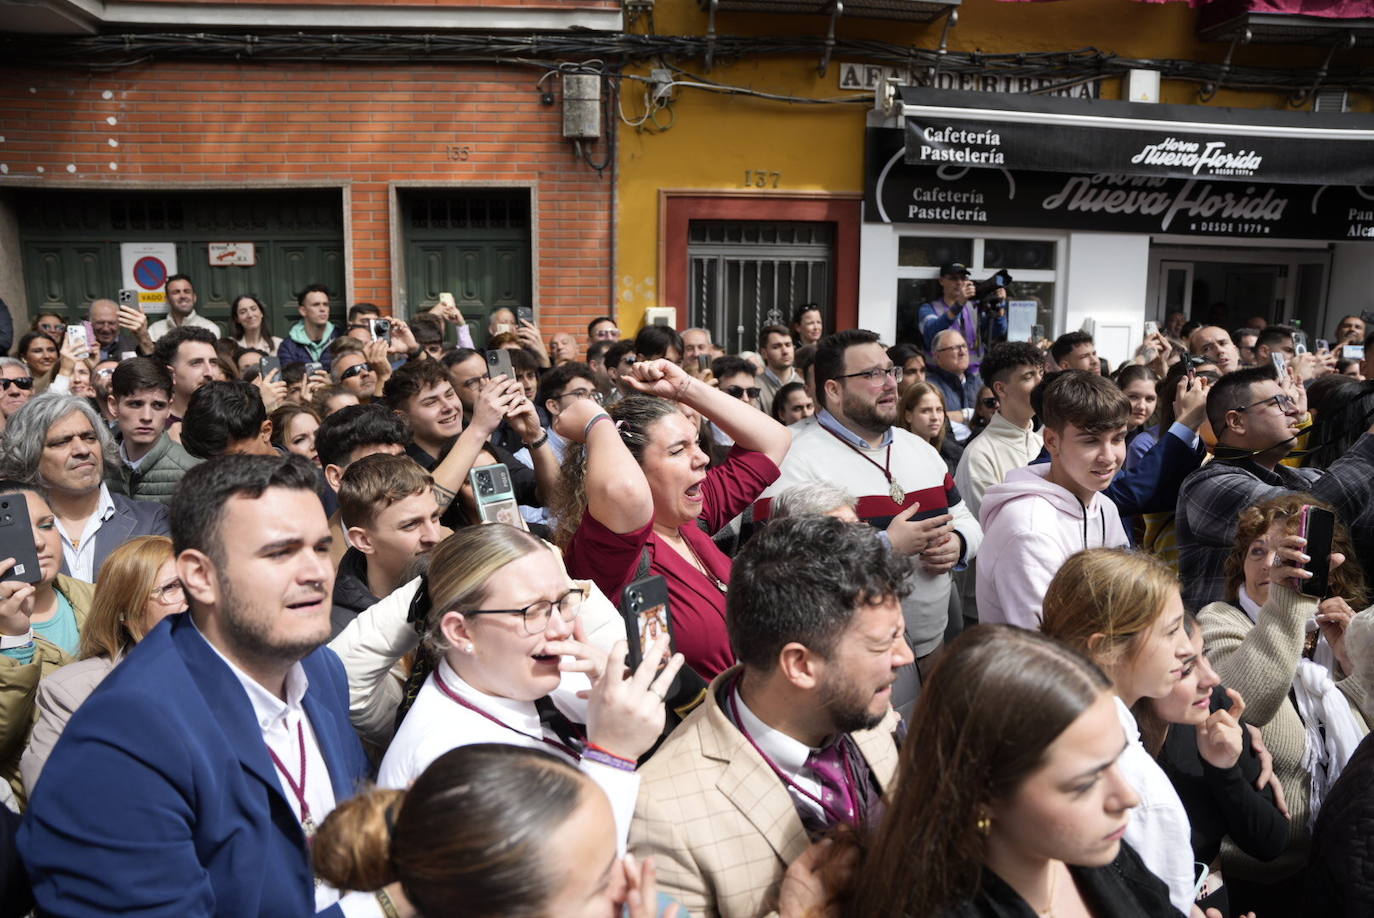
x=1282 y=400
x=169 y=594
x=957 y=348
x=741 y=391
x=472 y=382
x=592 y=394
x=25 y=383
x=536 y=615
x=989 y=402
x=876 y=374
x=356 y=370
x=628 y=361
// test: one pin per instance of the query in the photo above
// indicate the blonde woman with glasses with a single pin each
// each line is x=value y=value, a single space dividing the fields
x=511 y=664
x=138 y=589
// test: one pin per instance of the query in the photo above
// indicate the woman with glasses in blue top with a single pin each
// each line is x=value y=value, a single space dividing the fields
x=511 y=666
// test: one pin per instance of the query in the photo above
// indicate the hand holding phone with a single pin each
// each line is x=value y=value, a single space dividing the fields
x=1151 y=329
x=16 y=542
x=1318 y=527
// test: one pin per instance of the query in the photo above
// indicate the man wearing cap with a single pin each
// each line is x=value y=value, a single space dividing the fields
x=954 y=310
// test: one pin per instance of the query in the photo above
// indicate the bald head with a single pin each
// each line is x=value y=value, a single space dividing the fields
x=104 y=316
x=1214 y=343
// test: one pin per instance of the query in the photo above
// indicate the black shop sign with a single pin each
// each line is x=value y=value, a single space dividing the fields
x=898 y=191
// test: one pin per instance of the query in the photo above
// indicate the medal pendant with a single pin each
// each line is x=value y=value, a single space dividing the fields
x=308 y=827
x=896 y=492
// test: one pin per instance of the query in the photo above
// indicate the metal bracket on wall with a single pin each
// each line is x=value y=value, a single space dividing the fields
x=711 y=33
x=1343 y=43
x=836 y=11
x=1209 y=89
x=951 y=20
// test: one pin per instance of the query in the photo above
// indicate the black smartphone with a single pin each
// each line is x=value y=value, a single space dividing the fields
x=498 y=364
x=313 y=367
x=703 y=362
x=525 y=314
x=16 y=539
x=380 y=329
x=1037 y=334
x=644 y=607
x=268 y=365
x=1318 y=527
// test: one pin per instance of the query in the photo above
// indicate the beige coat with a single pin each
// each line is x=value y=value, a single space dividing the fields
x=719 y=824
x=19 y=682
x=59 y=695
x=1260 y=660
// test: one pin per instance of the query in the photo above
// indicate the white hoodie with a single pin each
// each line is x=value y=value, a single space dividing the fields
x=1030 y=527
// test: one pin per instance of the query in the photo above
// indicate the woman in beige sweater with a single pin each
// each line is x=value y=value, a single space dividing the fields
x=1274 y=644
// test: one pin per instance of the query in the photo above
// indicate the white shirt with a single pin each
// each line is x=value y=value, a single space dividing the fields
x=436 y=724
x=278 y=721
x=788 y=754
x=163 y=326
x=80 y=555
x=1159 y=830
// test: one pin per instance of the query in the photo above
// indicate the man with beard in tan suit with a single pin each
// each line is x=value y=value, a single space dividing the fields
x=795 y=739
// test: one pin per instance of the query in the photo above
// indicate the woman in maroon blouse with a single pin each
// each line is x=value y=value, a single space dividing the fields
x=639 y=480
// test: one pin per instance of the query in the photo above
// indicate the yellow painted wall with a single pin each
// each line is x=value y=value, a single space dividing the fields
x=714 y=139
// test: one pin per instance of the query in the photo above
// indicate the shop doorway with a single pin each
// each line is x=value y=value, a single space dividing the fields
x=1228 y=287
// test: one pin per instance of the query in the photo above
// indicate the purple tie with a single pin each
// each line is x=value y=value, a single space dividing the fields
x=827 y=764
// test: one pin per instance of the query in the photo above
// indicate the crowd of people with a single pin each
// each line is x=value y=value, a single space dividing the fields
x=367 y=621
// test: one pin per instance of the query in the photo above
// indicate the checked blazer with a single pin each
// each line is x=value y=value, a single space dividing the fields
x=720 y=825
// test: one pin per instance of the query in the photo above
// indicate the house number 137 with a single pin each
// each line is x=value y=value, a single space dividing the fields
x=759 y=178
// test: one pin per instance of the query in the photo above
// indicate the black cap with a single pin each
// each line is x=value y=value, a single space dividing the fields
x=953 y=269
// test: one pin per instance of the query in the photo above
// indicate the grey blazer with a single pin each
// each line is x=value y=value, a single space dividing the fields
x=132 y=518
x=60 y=693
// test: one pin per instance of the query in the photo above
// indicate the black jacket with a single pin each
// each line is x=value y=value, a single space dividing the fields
x=1340 y=867
x=351 y=593
x=1225 y=802
x=1125 y=888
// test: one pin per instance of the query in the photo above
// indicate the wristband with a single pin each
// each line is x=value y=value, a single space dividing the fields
x=595 y=753
x=388 y=907
x=11 y=641
x=538 y=443
x=603 y=416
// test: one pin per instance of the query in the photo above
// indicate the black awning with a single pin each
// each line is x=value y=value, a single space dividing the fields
x=1009 y=131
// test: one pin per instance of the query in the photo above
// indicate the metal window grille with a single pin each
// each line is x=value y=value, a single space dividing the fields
x=747 y=274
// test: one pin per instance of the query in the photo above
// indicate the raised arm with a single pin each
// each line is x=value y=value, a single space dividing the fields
x=491 y=405
x=749 y=427
x=618 y=495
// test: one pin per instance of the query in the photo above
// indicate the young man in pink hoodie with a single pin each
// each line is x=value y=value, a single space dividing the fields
x=1043 y=513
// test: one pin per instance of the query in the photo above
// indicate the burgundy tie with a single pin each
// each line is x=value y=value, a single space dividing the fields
x=827 y=764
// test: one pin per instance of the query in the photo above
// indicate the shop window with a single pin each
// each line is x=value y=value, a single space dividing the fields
x=1032 y=263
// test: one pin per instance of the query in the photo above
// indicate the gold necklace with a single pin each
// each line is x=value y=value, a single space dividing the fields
x=1048 y=910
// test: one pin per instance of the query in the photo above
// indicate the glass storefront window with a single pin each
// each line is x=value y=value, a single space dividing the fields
x=921 y=251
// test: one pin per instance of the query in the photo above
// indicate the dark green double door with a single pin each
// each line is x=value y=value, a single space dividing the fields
x=71 y=245
x=473 y=244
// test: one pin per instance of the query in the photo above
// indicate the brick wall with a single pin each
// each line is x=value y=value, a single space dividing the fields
x=364 y=127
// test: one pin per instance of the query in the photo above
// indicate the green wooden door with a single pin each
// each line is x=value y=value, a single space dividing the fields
x=70 y=242
x=475 y=245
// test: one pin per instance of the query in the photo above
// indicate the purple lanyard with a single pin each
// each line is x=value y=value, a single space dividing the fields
x=463 y=702
x=832 y=815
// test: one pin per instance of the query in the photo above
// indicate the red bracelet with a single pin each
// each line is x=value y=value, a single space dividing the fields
x=592 y=423
x=601 y=754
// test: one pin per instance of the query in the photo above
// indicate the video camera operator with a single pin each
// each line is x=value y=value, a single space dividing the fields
x=978 y=311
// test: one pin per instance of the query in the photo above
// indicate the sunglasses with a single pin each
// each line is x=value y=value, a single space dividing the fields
x=356 y=370
x=23 y=382
x=740 y=391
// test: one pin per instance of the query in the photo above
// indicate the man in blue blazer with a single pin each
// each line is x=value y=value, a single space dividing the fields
x=184 y=785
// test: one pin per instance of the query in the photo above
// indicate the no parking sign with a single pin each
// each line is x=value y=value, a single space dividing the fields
x=146 y=267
